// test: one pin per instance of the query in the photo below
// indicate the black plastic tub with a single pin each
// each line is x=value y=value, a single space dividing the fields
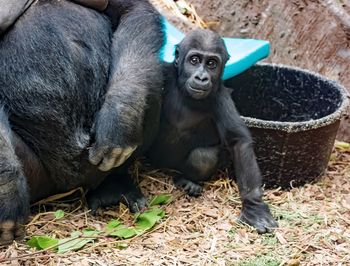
x=294 y=116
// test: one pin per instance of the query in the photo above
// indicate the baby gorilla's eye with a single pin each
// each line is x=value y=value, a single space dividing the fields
x=194 y=60
x=211 y=63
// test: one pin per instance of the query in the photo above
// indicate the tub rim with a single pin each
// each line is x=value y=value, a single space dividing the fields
x=303 y=125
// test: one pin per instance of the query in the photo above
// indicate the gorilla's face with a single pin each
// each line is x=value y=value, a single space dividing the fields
x=202 y=71
x=200 y=59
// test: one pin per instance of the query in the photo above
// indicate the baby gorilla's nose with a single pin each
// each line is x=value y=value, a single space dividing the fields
x=201 y=80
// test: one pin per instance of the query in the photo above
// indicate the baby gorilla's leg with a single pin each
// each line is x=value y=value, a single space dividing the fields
x=201 y=164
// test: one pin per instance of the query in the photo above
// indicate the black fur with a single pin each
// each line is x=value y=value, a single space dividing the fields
x=128 y=87
x=200 y=127
x=72 y=91
x=119 y=185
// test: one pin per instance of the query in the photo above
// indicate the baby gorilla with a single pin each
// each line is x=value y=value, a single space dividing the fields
x=200 y=128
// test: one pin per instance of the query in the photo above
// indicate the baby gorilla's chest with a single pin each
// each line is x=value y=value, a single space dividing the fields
x=189 y=137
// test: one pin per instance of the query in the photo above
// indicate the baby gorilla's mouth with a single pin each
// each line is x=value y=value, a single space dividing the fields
x=197 y=90
x=197 y=93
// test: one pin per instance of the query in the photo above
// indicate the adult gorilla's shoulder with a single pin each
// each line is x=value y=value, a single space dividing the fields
x=54 y=44
x=67 y=98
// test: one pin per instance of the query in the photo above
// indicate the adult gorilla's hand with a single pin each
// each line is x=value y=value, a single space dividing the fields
x=108 y=157
x=118 y=134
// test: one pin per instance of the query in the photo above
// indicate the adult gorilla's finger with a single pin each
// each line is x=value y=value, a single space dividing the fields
x=125 y=154
x=109 y=159
x=96 y=154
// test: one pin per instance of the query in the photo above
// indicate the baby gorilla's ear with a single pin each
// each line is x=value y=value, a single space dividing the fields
x=176 y=62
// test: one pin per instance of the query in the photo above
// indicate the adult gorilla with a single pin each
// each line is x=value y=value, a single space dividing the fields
x=69 y=97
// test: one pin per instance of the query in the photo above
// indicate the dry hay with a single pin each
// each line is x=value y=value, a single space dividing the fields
x=314 y=227
x=182 y=10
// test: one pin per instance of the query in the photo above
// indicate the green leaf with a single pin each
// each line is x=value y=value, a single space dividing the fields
x=42 y=242
x=89 y=232
x=113 y=224
x=342 y=145
x=116 y=228
x=121 y=245
x=124 y=232
x=74 y=242
x=144 y=221
x=76 y=234
x=59 y=214
x=160 y=200
x=148 y=219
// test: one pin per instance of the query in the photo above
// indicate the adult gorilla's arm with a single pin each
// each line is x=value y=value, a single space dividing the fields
x=135 y=71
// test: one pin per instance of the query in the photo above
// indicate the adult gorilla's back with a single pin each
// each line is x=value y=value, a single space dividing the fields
x=67 y=98
x=54 y=67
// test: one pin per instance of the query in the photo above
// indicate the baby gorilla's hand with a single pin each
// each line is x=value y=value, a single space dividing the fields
x=257 y=213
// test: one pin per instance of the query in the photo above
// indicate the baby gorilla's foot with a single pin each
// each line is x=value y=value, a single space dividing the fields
x=191 y=188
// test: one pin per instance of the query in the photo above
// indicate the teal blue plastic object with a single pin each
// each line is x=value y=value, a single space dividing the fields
x=243 y=52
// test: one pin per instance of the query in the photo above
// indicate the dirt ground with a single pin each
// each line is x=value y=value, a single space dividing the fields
x=314 y=227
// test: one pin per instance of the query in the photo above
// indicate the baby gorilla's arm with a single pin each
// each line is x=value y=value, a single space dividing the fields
x=237 y=139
